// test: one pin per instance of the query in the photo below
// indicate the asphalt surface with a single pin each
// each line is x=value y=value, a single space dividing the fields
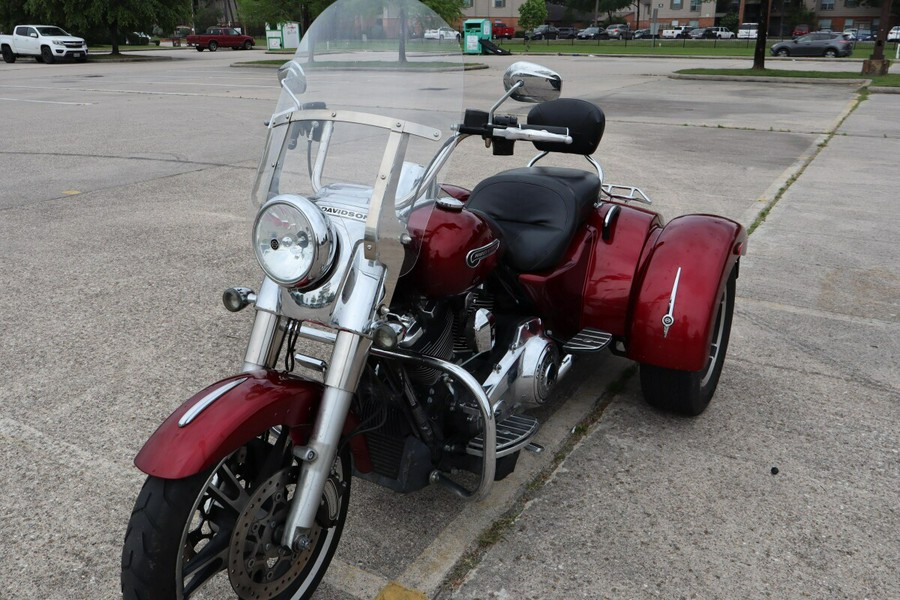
x=124 y=212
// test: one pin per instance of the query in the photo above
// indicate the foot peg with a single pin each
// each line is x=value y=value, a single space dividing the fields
x=588 y=340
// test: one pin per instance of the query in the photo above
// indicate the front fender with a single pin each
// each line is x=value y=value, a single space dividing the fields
x=237 y=408
x=706 y=249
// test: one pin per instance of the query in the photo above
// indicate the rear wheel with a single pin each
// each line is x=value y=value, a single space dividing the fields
x=689 y=392
x=199 y=49
x=213 y=46
x=831 y=53
x=8 y=55
x=223 y=527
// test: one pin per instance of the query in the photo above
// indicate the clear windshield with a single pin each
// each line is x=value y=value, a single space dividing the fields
x=362 y=57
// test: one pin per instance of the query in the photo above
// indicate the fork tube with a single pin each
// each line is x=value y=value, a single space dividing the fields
x=343 y=375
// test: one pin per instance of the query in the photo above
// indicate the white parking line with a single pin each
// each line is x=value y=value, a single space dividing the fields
x=48 y=102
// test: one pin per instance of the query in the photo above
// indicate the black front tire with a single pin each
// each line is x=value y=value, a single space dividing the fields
x=689 y=392
x=47 y=55
x=181 y=536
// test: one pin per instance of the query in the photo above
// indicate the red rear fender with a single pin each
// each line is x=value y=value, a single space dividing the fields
x=705 y=248
x=221 y=418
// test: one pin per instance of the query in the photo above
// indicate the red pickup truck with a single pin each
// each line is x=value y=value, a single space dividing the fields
x=220 y=36
x=499 y=29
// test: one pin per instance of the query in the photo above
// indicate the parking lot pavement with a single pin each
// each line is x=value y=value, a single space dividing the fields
x=119 y=231
x=787 y=486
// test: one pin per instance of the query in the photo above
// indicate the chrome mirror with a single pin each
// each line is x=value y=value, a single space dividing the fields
x=529 y=82
x=292 y=80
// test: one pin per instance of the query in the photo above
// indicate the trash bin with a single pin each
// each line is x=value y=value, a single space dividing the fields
x=474 y=31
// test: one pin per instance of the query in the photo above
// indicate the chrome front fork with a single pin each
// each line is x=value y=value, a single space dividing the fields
x=348 y=360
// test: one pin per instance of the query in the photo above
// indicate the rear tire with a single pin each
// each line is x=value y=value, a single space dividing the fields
x=213 y=46
x=221 y=528
x=8 y=55
x=199 y=49
x=689 y=392
x=831 y=53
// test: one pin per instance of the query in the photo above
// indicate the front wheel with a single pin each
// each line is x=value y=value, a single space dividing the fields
x=223 y=527
x=47 y=55
x=784 y=52
x=689 y=392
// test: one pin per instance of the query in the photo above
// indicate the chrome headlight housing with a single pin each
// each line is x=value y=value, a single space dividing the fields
x=293 y=240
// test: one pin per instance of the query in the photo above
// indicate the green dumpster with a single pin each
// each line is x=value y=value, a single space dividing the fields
x=475 y=30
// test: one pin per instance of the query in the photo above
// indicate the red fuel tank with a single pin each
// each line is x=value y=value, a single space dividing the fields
x=457 y=249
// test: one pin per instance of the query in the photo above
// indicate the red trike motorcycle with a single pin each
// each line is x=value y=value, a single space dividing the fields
x=404 y=326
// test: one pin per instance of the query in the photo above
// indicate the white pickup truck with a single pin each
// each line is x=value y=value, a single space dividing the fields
x=679 y=31
x=44 y=43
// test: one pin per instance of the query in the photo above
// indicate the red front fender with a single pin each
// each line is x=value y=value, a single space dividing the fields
x=705 y=248
x=253 y=403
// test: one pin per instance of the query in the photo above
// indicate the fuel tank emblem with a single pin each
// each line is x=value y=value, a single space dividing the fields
x=474 y=257
x=669 y=318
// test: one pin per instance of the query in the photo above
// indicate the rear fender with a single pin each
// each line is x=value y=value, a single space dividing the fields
x=704 y=248
x=221 y=418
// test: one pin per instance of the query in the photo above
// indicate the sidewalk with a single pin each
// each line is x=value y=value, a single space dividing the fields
x=792 y=475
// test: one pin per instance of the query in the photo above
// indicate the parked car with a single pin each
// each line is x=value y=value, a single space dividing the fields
x=799 y=30
x=865 y=35
x=593 y=33
x=44 y=43
x=567 y=33
x=216 y=37
x=619 y=31
x=441 y=33
x=677 y=32
x=702 y=33
x=850 y=34
x=894 y=34
x=499 y=29
x=748 y=31
x=543 y=32
x=815 y=44
x=644 y=34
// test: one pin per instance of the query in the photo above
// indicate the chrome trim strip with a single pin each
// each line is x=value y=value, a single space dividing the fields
x=207 y=400
x=669 y=319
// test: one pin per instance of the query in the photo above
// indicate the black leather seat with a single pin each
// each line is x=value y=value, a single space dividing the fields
x=539 y=209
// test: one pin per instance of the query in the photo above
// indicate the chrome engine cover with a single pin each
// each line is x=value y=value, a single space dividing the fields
x=538 y=370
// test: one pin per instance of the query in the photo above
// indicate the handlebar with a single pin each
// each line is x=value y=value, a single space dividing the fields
x=535 y=133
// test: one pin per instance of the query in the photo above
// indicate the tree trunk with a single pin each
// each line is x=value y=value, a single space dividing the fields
x=762 y=34
x=403 y=34
x=114 y=33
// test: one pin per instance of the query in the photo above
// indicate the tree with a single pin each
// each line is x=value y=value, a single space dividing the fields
x=114 y=15
x=531 y=14
x=260 y=12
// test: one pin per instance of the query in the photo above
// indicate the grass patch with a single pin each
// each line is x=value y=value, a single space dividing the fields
x=890 y=80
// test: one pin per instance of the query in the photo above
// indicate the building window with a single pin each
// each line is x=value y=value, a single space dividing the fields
x=825 y=24
x=502 y=3
x=468 y=3
x=851 y=3
x=827 y=4
x=695 y=5
x=675 y=4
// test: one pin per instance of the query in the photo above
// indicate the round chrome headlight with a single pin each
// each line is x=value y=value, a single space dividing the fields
x=293 y=240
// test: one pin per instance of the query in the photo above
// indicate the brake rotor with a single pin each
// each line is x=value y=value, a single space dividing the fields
x=259 y=567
